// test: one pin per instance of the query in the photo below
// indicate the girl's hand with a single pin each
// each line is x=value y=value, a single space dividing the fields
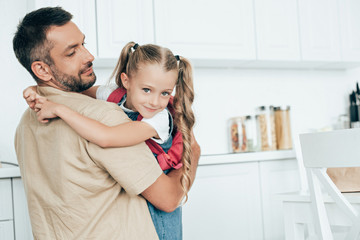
x=45 y=109
x=30 y=95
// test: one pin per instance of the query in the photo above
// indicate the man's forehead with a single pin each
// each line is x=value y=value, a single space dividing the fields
x=67 y=34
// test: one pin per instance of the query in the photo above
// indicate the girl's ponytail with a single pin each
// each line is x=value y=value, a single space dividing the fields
x=184 y=117
x=121 y=65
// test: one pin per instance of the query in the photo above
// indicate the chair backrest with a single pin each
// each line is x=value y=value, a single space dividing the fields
x=339 y=148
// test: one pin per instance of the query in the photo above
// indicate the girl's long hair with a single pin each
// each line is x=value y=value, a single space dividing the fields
x=132 y=55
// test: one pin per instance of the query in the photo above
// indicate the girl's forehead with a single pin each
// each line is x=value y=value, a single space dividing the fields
x=150 y=67
x=154 y=74
x=155 y=69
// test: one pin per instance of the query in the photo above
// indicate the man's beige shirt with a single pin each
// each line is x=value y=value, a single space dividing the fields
x=76 y=189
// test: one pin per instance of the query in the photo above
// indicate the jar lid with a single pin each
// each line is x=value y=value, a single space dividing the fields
x=261 y=108
x=282 y=108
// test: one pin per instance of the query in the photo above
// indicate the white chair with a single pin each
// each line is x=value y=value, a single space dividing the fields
x=339 y=148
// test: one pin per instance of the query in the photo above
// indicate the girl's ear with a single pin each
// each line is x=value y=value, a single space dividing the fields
x=125 y=80
x=41 y=70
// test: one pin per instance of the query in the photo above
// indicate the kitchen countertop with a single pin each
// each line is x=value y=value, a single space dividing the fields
x=246 y=157
x=10 y=171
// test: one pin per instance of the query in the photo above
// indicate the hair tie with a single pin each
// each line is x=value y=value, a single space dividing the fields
x=177 y=57
x=135 y=47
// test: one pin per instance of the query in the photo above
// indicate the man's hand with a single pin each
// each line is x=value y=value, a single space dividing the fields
x=166 y=192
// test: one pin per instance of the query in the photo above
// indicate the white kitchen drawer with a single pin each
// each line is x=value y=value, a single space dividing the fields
x=5 y=200
x=6 y=230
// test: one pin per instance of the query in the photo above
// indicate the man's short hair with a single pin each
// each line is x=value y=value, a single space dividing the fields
x=30 y=43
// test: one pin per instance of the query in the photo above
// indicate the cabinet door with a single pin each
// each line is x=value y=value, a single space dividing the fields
x=83 y=12
x=7 y=230
x=277 y=30
x=224 y=203
x=280 y=176
x=21 y=214
x=122 y=21
x=319 y=30
x=350 y=29
x=5 y=200
x=206 y=29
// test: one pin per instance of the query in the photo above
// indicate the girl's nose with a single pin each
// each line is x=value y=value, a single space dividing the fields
x=154 y=101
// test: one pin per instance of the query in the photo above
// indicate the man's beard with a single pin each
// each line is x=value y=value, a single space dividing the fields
x=72 y=83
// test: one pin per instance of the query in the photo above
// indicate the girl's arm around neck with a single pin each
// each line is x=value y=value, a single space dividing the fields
x=121 y=135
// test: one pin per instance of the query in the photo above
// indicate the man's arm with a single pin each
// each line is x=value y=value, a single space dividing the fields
x=166 y=192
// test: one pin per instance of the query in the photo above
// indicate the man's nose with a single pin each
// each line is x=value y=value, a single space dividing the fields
x=88 y=57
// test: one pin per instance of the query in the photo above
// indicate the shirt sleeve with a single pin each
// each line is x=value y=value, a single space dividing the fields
x=160 y=122
x=134 y=168
x=103 y=92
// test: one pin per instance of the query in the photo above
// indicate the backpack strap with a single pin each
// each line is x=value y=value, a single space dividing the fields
x=116 y=95
x=169 y=160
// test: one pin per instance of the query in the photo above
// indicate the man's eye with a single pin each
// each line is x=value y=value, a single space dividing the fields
x=71 y=54
x=147 y=90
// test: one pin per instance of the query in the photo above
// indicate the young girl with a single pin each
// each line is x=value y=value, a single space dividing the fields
x=149 y=74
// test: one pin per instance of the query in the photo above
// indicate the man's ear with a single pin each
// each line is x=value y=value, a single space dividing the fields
x=125 y=80
x=41 y=70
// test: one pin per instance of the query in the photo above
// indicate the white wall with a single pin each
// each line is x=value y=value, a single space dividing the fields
x=316 y=97
x=14 y=77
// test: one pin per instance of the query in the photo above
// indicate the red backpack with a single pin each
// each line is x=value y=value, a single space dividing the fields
x=171 y=159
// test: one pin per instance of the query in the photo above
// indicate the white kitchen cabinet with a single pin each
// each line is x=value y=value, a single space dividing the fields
x=6 y=230
x=319 y=30
x=21 y=214
x=5 y=200
x=14 y=216
x=350 y=30
x=122 y=21
x=214 y=30
x=277 y=30
x=235 y=196
x=6 y=210
x=84 y=15
x=229 y=33
x=281 y=176
x=224 y=203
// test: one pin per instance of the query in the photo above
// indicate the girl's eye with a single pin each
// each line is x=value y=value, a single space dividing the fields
x=147 y=90
x=165 y=94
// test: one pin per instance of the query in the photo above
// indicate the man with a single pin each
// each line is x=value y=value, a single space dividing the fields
x=75 y=189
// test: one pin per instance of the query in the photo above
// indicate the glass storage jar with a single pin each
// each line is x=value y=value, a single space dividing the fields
x=237 y=134
x=266 y=125
x=252 y=134
x=282 y=127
